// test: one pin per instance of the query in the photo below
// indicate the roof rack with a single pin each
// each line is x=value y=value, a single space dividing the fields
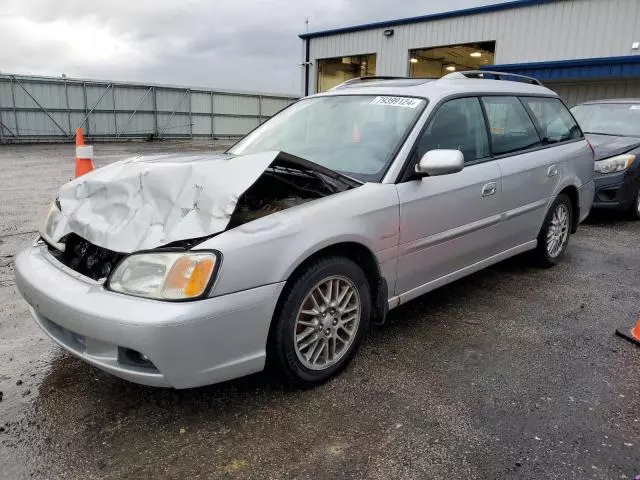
x=351 y=81
x=512 y=77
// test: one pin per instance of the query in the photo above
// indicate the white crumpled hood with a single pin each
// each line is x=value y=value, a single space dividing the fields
x=146 y=202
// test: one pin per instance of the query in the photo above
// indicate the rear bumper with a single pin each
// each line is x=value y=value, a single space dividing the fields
x=189 y=344
x=615 y=191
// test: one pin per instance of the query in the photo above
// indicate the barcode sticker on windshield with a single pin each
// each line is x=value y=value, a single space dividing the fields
x=634 y=107
x=396 y=102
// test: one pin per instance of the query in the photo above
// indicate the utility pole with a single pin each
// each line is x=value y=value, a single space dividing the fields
x=304 y=65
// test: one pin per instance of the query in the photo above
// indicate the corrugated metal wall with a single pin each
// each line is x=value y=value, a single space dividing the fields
x=577 y=92
x=557 y=30
x=50 y=109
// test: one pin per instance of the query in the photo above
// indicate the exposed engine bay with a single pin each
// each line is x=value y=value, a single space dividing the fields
x=283 y=185
x=148 y=202
x=278 y=189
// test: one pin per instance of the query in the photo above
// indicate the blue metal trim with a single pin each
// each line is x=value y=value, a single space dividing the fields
x=427 y=18
x=583 y=68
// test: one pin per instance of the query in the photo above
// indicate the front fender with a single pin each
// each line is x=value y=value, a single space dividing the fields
x=269 y=249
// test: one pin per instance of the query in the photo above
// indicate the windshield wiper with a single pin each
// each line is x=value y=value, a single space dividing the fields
x=304 y=165
x=330 y=186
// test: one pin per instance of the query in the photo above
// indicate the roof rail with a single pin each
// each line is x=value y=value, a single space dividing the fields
x=489 y=74
x=351 y=81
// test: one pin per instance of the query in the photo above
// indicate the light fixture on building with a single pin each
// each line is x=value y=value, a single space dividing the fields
x=451 y=68
x=388 y=32
x=414 y=60
x=476 y=54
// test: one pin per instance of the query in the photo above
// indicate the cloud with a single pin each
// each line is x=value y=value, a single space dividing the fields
x=233 y=44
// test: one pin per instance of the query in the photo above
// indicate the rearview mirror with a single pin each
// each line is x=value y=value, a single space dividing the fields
x=440 y=162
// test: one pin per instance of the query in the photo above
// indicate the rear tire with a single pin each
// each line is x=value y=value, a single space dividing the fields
x=555 y=232
x=321 y=320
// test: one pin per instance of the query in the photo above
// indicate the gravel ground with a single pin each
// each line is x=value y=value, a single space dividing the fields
x=513 y=372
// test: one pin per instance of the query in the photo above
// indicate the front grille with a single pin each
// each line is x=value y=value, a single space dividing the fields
x=86 y=258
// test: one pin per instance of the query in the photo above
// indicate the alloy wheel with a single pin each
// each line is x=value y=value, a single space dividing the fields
x=558 y=231
x=327 y=323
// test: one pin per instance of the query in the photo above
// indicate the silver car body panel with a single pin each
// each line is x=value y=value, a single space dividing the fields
x=145 y=202
x=434 y=243
x=193 y=343
x=423 y=233
x=272 y=247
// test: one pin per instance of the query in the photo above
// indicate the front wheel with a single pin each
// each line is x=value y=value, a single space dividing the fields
x=634 y=212
x=322 y=318
x=554 y=234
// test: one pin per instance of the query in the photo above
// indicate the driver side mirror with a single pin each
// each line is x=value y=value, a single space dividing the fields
x=440 y=162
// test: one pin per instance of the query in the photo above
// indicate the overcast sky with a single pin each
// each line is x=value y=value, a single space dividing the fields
x=232 y=44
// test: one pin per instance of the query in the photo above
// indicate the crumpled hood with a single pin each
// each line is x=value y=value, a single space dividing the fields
x=607 y=146
x=146 y=202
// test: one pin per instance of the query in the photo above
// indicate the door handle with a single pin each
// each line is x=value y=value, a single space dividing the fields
x=553 y=171
x=489 y=189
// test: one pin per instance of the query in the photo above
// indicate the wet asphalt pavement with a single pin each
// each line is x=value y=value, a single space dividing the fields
x=514 y=372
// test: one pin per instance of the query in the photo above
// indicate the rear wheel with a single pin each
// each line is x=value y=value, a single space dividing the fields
x=554 y=235
x=321 y=321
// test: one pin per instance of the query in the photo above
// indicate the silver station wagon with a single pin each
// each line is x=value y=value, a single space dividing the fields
x=184 y=270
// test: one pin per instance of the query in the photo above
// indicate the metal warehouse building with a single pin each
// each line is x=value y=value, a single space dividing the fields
x=583 y=49
x=50 y=109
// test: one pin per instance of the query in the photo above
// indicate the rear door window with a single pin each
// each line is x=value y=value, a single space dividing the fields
x=555 y=122
x=511 y=127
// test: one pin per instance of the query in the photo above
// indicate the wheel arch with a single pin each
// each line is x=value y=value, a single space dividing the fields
x=364 y=258
x=571 y=191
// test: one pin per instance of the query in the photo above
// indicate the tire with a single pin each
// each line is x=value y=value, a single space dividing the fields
x=549 y=253
x=634 y=211
x=327 y=333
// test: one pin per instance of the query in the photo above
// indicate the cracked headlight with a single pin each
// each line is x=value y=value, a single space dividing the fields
x=614 y=164
x=50 y=225
x=165 y=275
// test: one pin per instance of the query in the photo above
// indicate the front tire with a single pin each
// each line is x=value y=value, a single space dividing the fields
x=321 y=321
x=555 y=232
x=634 y=211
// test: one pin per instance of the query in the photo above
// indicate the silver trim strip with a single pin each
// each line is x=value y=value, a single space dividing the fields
x=463 y=272
x=516 y=212
x=448 y=235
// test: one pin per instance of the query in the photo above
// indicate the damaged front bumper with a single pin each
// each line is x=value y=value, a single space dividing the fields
x=180 y=345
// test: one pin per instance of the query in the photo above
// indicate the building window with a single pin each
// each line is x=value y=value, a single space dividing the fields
x=438 y=61
x=334 y=71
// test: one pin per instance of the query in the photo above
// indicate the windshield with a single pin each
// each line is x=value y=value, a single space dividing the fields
x=356 y=135
x=621 y=119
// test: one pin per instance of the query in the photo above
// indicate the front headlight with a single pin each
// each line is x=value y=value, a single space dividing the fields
x=614 y=164
x=51 y=226
x=165 y=275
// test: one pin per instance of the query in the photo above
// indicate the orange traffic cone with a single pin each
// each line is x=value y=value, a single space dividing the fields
x=633 y=334
x=84 y=155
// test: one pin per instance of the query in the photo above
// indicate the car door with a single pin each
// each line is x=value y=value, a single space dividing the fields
x=533 y=139
x=449 y=222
